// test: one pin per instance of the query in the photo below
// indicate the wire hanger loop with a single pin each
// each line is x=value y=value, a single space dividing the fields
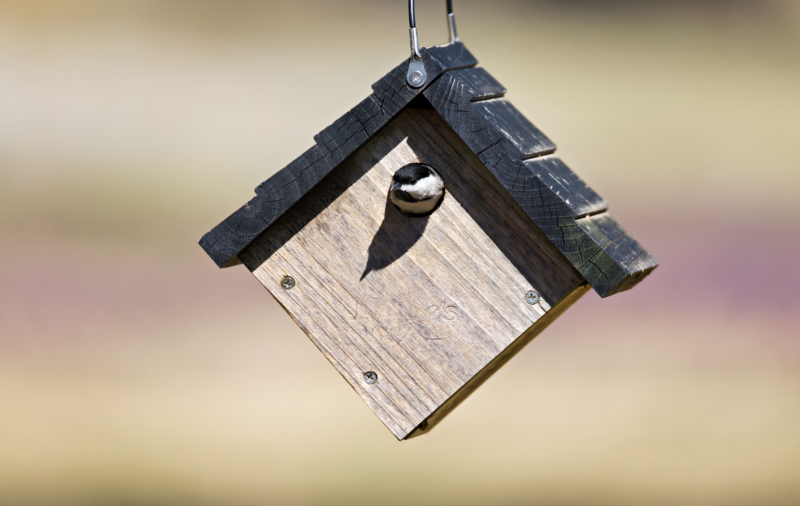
x=416 y=71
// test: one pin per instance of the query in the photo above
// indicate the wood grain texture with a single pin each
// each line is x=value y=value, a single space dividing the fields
x=280 y=192
x=567 y=186
x=483 y=85
x=498 y=362
x=555 y=198
x=430 y=303
x=506 y=119
x=620 y=263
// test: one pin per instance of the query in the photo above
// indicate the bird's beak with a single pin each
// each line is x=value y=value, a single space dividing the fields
x=395 y=186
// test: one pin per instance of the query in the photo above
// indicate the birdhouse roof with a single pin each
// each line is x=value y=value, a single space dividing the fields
x=518 y=154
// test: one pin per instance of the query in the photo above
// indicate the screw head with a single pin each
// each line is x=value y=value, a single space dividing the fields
x=532 y=297
x=370 y=377
x=416 y=77
x=287 y=283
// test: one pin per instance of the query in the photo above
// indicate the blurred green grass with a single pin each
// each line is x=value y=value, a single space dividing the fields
x=132 y=371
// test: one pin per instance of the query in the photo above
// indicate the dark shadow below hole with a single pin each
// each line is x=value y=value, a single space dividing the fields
x=396 y=235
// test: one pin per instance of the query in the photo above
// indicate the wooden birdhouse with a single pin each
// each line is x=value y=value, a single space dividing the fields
x=416 y=312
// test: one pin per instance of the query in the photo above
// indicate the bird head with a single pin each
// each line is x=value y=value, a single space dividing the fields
x=416 y=189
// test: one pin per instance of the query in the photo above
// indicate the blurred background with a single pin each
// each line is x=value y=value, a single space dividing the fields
x=134 y=372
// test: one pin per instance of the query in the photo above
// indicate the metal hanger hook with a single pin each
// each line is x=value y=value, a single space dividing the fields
x=451 y=23
x=416 y=71
x=412 y=23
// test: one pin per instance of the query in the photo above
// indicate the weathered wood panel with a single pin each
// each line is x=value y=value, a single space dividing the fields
x=506 y=119
x=498 y=362
x=429 y=304
x=483 y=85
x=567 y=186
x=619 y=262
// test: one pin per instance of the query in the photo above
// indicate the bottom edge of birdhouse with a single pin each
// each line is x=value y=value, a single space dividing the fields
x=484 y=374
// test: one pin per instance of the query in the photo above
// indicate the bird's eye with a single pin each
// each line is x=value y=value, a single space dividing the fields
x=413 y=180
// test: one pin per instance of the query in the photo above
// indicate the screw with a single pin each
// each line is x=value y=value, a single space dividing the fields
x=416 y=77
x=532 y=297
x=287 y=283
x=370 y=377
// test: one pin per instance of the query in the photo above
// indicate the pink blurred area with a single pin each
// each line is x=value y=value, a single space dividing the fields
x=133 y=371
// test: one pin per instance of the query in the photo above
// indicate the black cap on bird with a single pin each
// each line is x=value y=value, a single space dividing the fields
x=417 y=189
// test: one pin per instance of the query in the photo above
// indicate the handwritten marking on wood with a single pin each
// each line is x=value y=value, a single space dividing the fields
x=426 y=303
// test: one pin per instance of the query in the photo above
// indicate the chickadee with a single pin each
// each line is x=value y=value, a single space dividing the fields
x=416 y=189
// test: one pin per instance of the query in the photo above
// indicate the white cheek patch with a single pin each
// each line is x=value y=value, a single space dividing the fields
x=426 y=188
